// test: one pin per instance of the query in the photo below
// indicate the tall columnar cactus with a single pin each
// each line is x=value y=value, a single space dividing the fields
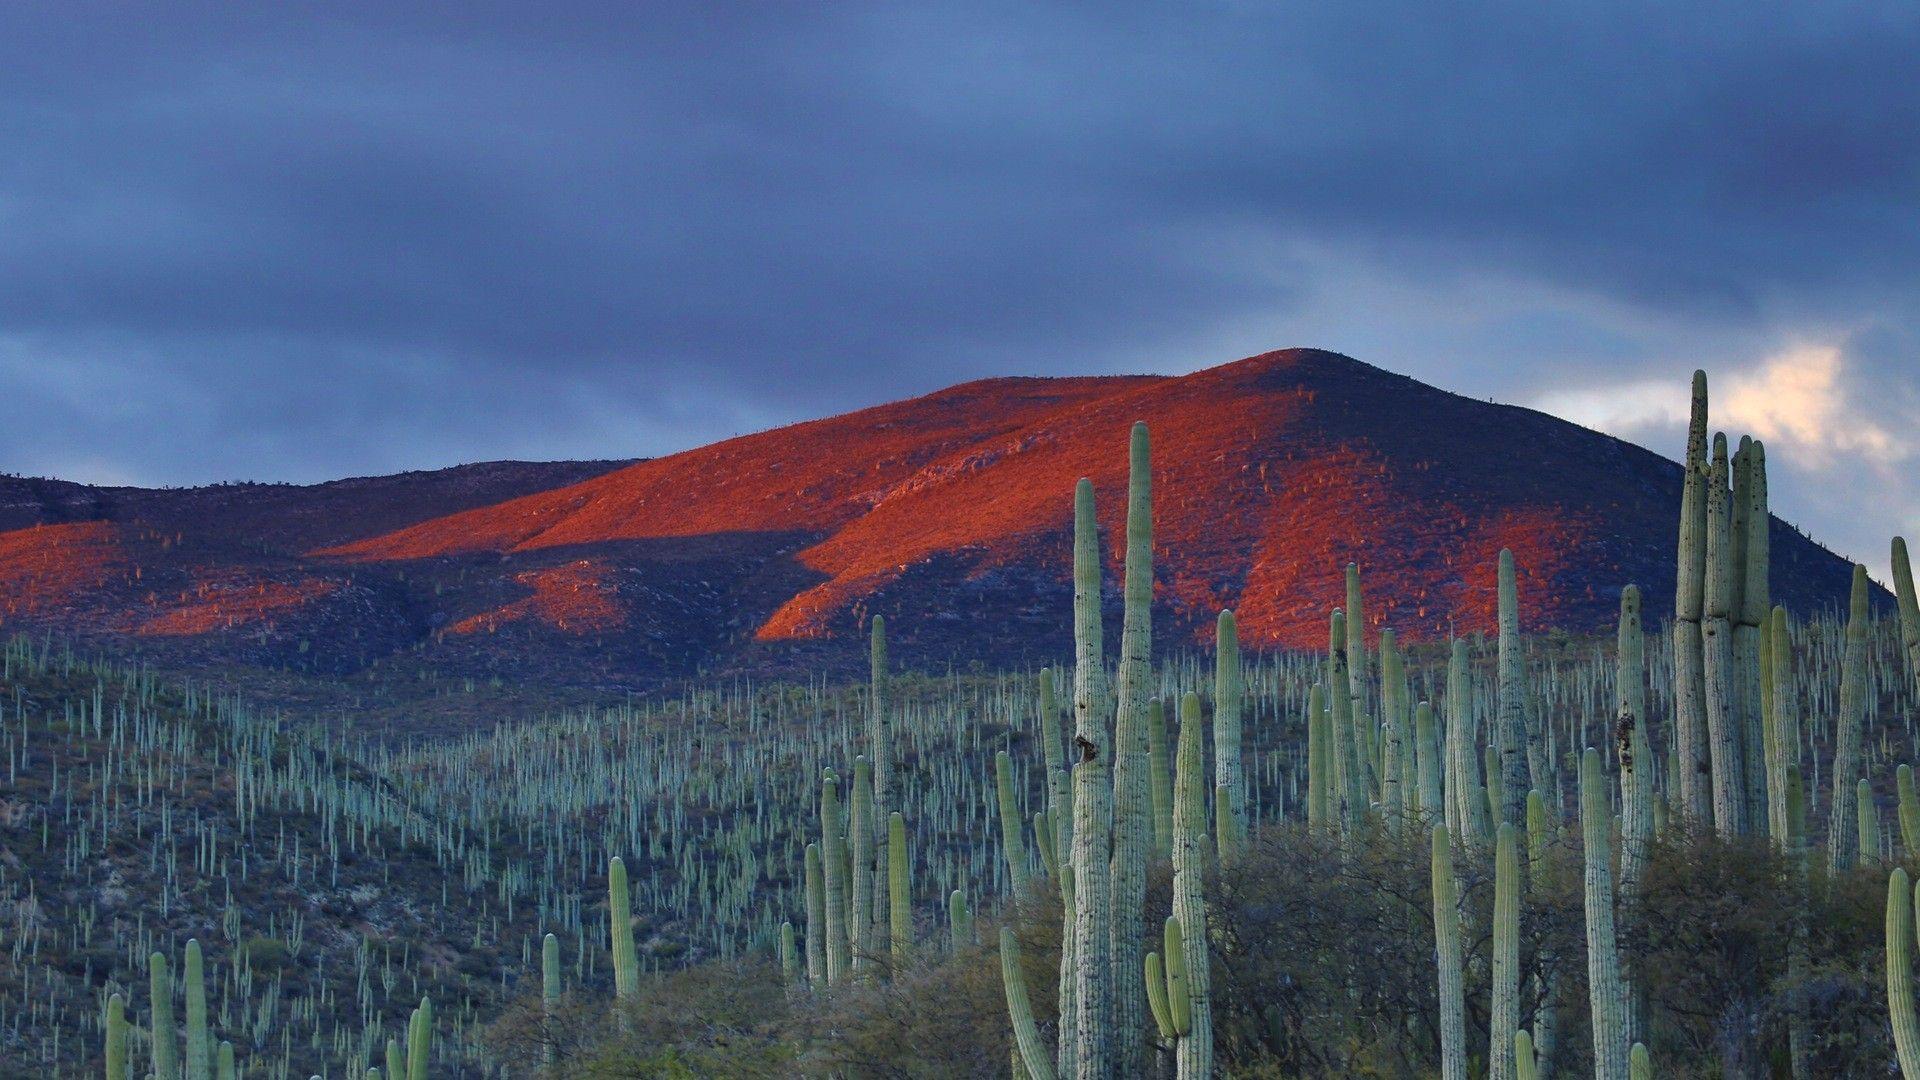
x=626 y=965
x=1783 y=743
x=1909 y=811
x=860 y=882
x=396 y=1059
x=229 y=1069
x=1524 y=1065
x=166 y=1050
x=1869 y=816
x=1636 y=781
x=1640 y=1063
x=1092 y=808
x=1132 y=810
x=1026 y=1034
x=1900 y=1005
x=1505 y=1009
x=550 y=991
x=881 y=753
x=1909 y=611
x=1195 y=1053
x=1607 y=996
x=833 y=858
x=1842 y=828
x=199 y=1041
x=1755 y=602
x=1319 y=761
x=1394 y=796
x=1689 y=658
x=1344 y=795
x=116 y=1052
x=1160 y=766
x=1059 y=776
x=1446 y=936
x=420 y=1040
x=959 y=922
x=1725 y=726
x=1546 y=1018
x=1516 y=774
x=1069 y=981
x=816 y=889
x=1463 y=757
x=1356 y=642
x=899 y=890
x=1011 y=843
x=1228 y=692
x=1426 y=742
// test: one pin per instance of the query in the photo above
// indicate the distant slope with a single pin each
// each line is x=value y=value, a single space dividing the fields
x=950 y=513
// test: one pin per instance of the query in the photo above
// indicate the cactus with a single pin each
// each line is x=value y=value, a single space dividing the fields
x=1753 y=597
x=1900 y=1005
x=1909 y=611
x=166 y=1051
x=1909 y=811
x=1195 y=1052
x=1431 y=795
x=1319 y=767
x=1092 y=807
x=816 y=918
x=899 y=890
x=959 y=921
x=1026 y=1036
x=420 y=1040
x=833 y=860
x=1505 y=1009
x=1640 y=1065
x=1446 y=936
x=116 y=1038
x=880 y=753
x=1516 y=773
x=1869 y=816
x=1725 y=726
x=1463 y=766
x=1132 y=810
x=1167 y=994
x=1010 y=836
x=550 y=988
x=1524 y=1065
x=1356 y=656
x=1059 y=779
x=199 y=1044
x=1344 y=796
x=230 y=1070
x=1636 y=782
x=860 y=907
x=1689 y=662
x=626 y=966
x=396 y=1059
x=1069 y=976
x=1546 y=1019
x=1160 y=766
x=1606 y=995
x=1393 y=796
x=1841 y=825
x=1228 y=691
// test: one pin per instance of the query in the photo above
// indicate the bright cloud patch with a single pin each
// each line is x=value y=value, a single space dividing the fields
x=1800 y=399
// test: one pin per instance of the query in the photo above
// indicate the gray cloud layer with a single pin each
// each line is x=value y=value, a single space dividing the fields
x=327 y=240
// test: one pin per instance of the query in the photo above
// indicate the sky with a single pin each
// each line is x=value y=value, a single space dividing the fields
x=297 y=242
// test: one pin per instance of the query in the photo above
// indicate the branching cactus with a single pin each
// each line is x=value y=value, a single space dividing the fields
x=1195 y=1053
x=1167 y=994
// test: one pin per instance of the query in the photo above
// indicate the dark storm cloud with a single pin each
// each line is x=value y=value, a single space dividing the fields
x=307 y=241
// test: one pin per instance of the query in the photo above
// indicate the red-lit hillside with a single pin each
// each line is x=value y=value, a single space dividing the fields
x=950 y=513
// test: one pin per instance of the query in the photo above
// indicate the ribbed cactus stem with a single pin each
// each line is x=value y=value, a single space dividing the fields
x=860 y=834
x=396 y=1059
x=116 y=1049
x=816 y=900
x=420 y=1040
x=880 y=753
x=1059 y=776
x=1092 y=808
x=1195 y=1053
x=1446 y=935
x=1640 y=1063
x=1900 y=1004
x=1753 y=602
x=1463 y=756
x=626 y=966
x=1069 y=978
x=1606 y=994
x=1505 y=1007
x=1160 y=766
x=1869 y=816
x=1364 y=732
x=1432 y=797
x=166 y=1048
x=1636 y=779
x=1228 y=692
x=1524 y=1065
x=1319 y=761
x=899 y=890
x=1511 y=731
x=1132 y=801
x=1724 y=722
x=1909 y=611
x=229 y=1068
x=833 y=860
x=1909 y=811
x=1345 y=795
x=199 y=1041
x=1689 y=673
x=959 y=921
x=1393 y=796
x=550 y=990
x=1842 y=828
x=1011 y=844
x=1026 y=1034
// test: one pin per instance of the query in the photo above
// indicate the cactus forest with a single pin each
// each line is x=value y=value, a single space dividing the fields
x=1688 y=849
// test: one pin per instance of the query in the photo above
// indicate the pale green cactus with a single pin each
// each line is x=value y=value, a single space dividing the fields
x=1446 y=933
x=816 y=900
x=1132 y=801
x=1026 y=1035
x=899 y=890
x=116 y=1051
x=1842 y=825
x=626 y=967
x=1607 y=997
x=199 y=1042
x=1691 y=764
x=166 y=1049
x=1505 y=1010
x=1160 y=766
x=1510 y=782
x=1011 y=845
x=1900 y=1004
x=1229 y=690
x=420 y=1040
x=1195 y=1052
x=1725 y=724
x=1092 y=807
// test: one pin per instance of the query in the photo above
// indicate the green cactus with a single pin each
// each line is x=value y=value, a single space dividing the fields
x=1132 y=802
x=1909 y=811
x=1869 y=816
x=420 y=1040
x=626 y=966
x=1344 y=796
x=816 y=901
x=1195 y=1052
x=1026 y=1035
x=1431 y=798
x=116 y=1052
x=199 y=1043
x=880 y=752
x=1725 y=725
x=899 y=890
x=1909 y=611
x=1900 y=1004
x=1505 y=1009
x=1092 y=807
x=166 y=1050
x=1689 y=657
x=1752 y=603
x=833 y=860
x=550 y=989
x=1636 y=781
x=1446 y=934
x=1010 y=833
x=229 y=1069
x=959 y=921
x=1160 y=765
x=1640 y=1065
x=1229 y=690
x=1319 y=767
x=396 y=1059
x=1842 y=825
x=1607 y=996
x=860 y=910
x=1395 y=798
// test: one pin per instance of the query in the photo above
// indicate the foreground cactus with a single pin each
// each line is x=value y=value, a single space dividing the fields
x=1092 y=808
x=1900 y=1004
x=1842 y=826
x=166 y=1051
x=199 y=1042
x=419 y=1040
x=1446 y=936
x=1606 y=994
x=1132 y=801
x=1228 y=691
x=1689 y=672
x=1725 y=726
x=1505 y=1011
x=1195 y=1052
x=1636 y=784
x=626 y=966
x=899 y=890
x=1026 y=1036
x=116 y=1053
x=1510 y=731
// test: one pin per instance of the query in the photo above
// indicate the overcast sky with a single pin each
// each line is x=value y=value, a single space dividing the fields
x=308 y=243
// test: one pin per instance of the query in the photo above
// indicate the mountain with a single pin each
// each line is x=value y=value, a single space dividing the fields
x=949 y=513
